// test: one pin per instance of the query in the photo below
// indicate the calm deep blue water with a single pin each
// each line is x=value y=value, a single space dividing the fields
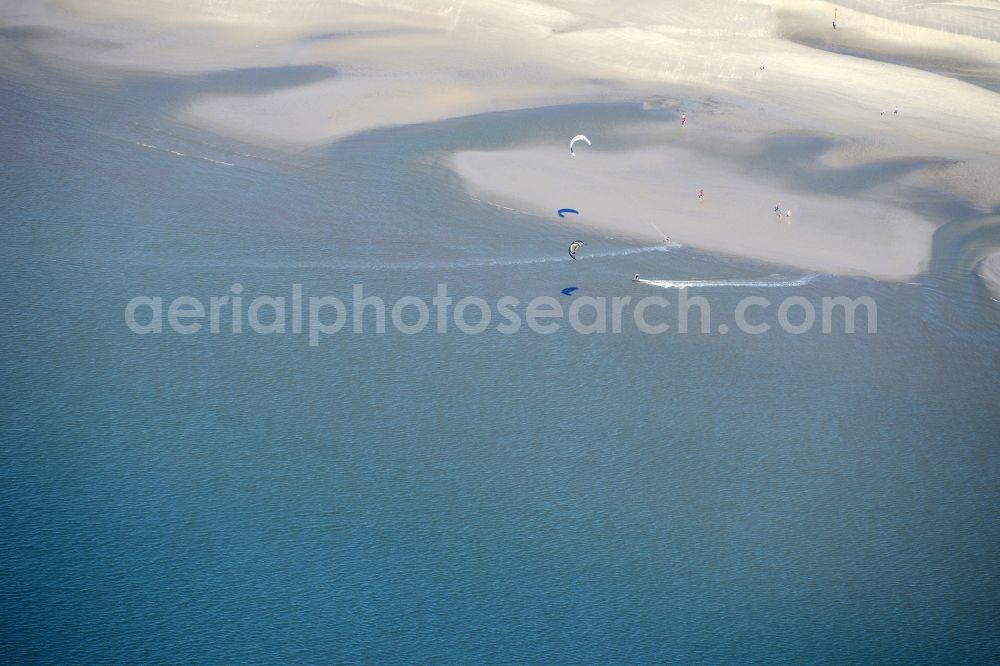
x=455 y=498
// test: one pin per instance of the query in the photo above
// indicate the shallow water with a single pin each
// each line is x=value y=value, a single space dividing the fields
x=519 y=498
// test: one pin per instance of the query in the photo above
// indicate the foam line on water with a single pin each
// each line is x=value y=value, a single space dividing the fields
x=180 y=154
x=493 y=204
x=764 y=284
x=487 y=263
x=454 y=265
x=546 y=260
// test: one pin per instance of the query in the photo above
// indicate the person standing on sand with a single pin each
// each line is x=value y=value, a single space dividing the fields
x=834 y=18
x=701 y=196
x=895 y=110
x=684 y=119
x=777 y=209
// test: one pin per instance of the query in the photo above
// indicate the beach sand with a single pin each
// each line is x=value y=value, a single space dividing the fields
x=651 y=193
x=410 y=61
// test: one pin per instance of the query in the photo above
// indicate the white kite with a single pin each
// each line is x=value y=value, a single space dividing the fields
x=578 y=137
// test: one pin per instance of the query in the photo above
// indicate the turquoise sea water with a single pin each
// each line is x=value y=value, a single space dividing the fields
x=451 y=498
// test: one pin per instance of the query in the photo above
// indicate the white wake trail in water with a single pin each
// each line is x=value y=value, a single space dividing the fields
x=486 y=263
x=448 y=265
x=180 y=154
x=686 y=284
